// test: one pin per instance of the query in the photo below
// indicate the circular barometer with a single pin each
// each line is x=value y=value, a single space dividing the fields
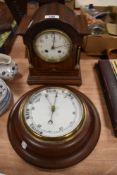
x=57 y=127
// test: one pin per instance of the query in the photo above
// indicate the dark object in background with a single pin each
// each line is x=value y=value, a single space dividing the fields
x=42 y=2
x=18 y=8
x=5 y=18
x=7 y=28
x=108 y=79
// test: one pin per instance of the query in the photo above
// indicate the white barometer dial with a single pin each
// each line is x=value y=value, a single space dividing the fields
x=52 y=45
x=53 y=112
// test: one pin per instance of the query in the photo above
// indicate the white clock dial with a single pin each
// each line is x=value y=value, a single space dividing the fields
x=52 y=45
x=53 y=112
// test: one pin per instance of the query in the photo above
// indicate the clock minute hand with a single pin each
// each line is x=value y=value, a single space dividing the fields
x=60 y=46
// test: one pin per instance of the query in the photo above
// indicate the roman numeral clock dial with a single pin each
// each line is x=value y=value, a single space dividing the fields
x=52 y=45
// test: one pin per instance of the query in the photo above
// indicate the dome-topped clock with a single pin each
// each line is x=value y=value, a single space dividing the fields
x=53 y=38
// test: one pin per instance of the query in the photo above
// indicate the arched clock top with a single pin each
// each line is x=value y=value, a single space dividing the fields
x=65 y=15
x=54 y=15
x=37 y=28
x=55 y=8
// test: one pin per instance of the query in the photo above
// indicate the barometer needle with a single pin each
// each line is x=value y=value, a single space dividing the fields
x=53 y=108
x=51 y=118
x=55 y=98
x=46 y=95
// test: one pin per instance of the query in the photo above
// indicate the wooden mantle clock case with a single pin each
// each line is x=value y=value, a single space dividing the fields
x=53 y=38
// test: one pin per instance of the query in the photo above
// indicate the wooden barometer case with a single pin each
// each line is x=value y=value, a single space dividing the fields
x=53 y=38
x=53 y=127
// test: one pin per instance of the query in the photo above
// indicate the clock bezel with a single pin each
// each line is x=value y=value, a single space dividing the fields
x=60 y=32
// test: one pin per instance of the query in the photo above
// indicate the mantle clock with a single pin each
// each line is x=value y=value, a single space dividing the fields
x=53 y=38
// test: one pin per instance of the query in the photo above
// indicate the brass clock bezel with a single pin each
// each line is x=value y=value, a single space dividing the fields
x=53 y=60
x=63 y=138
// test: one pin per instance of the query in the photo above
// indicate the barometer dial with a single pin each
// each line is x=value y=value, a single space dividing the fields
x=53 y=113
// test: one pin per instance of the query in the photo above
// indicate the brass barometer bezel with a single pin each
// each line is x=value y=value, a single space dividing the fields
x=63 y=138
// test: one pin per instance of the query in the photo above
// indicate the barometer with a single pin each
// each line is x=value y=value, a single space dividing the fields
x=53 y=126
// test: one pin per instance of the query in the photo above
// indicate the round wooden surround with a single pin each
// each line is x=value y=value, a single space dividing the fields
x=59 y=154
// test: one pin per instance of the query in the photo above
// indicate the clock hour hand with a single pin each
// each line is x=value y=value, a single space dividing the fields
x=53 y=41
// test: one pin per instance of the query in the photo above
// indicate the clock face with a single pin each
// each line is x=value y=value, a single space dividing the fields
x=52 y=45
x=53 y=113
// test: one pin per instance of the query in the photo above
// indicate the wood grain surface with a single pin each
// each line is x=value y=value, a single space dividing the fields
x=103 y=159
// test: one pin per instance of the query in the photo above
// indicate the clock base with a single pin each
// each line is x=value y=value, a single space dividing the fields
x=55 y=80
x=56 y=155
